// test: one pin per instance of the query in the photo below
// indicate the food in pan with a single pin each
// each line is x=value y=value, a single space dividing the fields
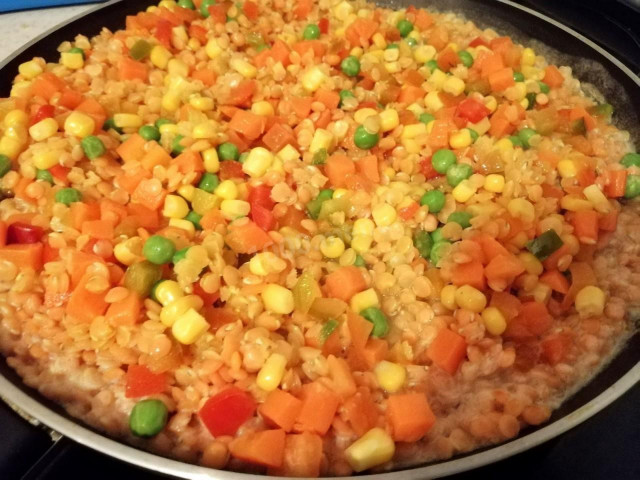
x=311 y=238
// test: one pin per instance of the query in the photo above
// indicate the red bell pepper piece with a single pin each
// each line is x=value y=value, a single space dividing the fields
x=472 y=110
x=163 y=32
x=142 y=382
x=426 y=168
x=45 y=111
x=225 y=412
x=230 y=169
x=323 y=25
x=20 y=232
x=261 y=195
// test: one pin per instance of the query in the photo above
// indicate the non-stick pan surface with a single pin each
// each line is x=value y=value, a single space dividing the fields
x=560 y=44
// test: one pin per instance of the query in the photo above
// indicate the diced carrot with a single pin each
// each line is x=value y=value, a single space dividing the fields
x=359 y=329
x=241 y=94
x=471 y=273
x=360 y=31
x=262 y=448
x=501 y=80
x=156 y=155
x=303 y=9
x=533 y=320
x=490 y=64
x=438 y=37
x=46 y=85
x=206 y=75
x=608 y=222
x=509 y=305
x=132 y=149
x=144 y=216
x=582 y=275
x=616 y=183
x=247 y=238
x=319 y=405
x=70 y=99
x=549 y=157
x=375 y=351
x=247 y=124
x=83 y=212
x=556 y=280
x=368 y=166
x=112 y=211
x=85 y=305
x=79 y=262
x=341 y=377
x=23 y=255
x=409 y=416
x=553 y=77
x=423 y=20
x=578 y=113
x=278 y=136
x=344 y=283
x=554 y=348
x=3 y=233
x=20 y=190
x=149 y=193
x=125 y=311
x=328 y=98
x=212 y=219
x=301 y=106
x=316 y=46
x=360 y=411
x=129 y=180
x=447 y=350
x=409 y=94
x=337 y=167
x=130 y=69
x=100 y=229
x=504 y=268
x=408 y=212
x=142 y=382
x=280 y=409
x=439 y=136
x=189 y=161
x=550 y=191
x=447 y=59
x=490 y=246
x=302 y=456
x=585 y=226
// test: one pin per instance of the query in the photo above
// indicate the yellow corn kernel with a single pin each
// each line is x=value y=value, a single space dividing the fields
x=18 y=133
x=389 y=119
x=448 y=297
x=168 y=291
x=343 y=10
x=453 y=85
x=271 y=373
x=363 y=226
x=575 y=204
x=243 y=67
x=362 y=114
x=168 y=129
x=189 y=326
x=413 y=131
x=491 y=103
x=590 y=302
x=212 y=49
x=532 y=265
x=460 y=139
x=432 y=101
x=232 y=209
x=528 y=57
x=313 y=79
x=470 y=298
x=278 y=299
x=204 y=104
x=168 y=4
x=437 y=79
x=361 y=243
x=541 y=292
x=21 y=89
x=211 y=160
x=160 y=57
x=494 y=183
x=288 y=154
x=494 y=321
x=332 y=247
x=186 y=192
x=10 y=147
x=597 y=198
x=262 y=108
x=227 y=190
x=183 y=224
x=44 y=160
x=416 y=109
x=532 y=73
x=170 y=102
x=322 y=139
x=179 y=35
x=356 y=52
x=463 y=191
x=257 y=162
x=424 y=53
x=204 y=130
x=384 y=214
x=524 y=103
x=129 y=251
x=263 y=264
x=127 y=120
x=379 y=41
x=71 y=60
x=504 y=145
x=79 y=125
x=392 y=67
x=522 y=209
x=567 y=168
x=170 y=313
x=339 y=192
x=175 y=207
x=365 y=299
x=374 y=448
x=482 y=126
x=177 y=68
x=390 y=376
x=30 y=69
x=43 y=129
x=16 y=118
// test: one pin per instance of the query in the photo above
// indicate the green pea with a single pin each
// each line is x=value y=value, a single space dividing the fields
x=209 y=182
x=525 y=136
x=405 y=27
x=148 y=418
x=5 y=165
x=314 y=206
x=515 y=140
x=176 y=147
x=412 y=42
x=461 y=218
x=243 y=157
x=350 y=66
x=78 y=50
x=443 y=159
x=518 y=77
x=141 y=277
x=149 y=132
x=320 y=157
x=158 y=250
x=162 y=121
x=140 y=50
x=631 y=160
x=187 y=4
x=92 y=147
x=110 y=124
x=474 y=134
x=365 y=140
x=426 y=118
x=431 y=65
x=531 y=98
x=344 y=94
x=438 y=251
x=204 y=7
x=393 y=45
x=68 y=196
x=379 y=320
x=228 y=151
x=182 y=253
x=194 y=218
x=466 y=58
x=458 y=172
x=437 y=236
x=44 y=175
x=632 y=188
x=423 y=243
x=544 y=88
x=359 y=261
x=311 y=32
x=434 y=199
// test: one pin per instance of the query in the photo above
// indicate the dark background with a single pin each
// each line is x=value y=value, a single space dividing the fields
x=604 y=447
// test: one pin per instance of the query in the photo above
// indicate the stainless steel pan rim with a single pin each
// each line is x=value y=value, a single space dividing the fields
x=129 y=454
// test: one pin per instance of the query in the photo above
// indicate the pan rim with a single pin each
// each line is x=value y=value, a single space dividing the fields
x=82 y=434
